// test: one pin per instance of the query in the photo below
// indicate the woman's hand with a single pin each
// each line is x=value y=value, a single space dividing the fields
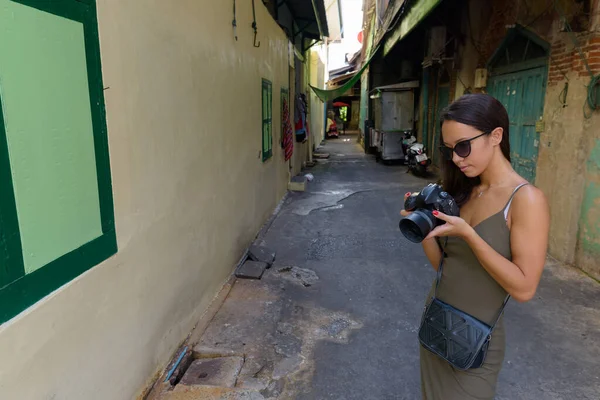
x=454 y=226
x=403 y=212
x=431 y=248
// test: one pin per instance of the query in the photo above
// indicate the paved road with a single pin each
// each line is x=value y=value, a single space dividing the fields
x=352 y=333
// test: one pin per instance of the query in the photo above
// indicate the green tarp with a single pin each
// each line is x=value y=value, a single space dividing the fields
x=327 y=95
x=415 y=14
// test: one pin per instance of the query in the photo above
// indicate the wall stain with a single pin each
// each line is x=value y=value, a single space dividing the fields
x=590 y=208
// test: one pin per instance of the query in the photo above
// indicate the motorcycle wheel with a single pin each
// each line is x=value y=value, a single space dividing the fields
x=420 y=170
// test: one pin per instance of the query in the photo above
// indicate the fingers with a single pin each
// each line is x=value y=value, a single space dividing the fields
x=437 y=232
x=405 y=213
x=441 y=216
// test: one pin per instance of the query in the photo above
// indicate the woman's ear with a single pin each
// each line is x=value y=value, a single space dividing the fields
x=496 y=136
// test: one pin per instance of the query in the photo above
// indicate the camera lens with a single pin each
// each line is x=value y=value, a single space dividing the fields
x=417 y=225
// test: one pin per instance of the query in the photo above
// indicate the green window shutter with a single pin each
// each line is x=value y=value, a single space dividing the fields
x=267 y=120
x=56 y=208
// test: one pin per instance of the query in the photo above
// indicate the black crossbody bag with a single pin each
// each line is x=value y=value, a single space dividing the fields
x=457 y=337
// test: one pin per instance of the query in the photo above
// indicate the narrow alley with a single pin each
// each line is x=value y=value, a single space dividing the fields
x=336 y=316
x=201 y=199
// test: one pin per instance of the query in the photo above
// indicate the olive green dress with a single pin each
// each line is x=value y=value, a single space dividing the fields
x=466 y=285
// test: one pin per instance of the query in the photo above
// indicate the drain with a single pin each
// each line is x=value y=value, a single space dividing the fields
x=220 y=372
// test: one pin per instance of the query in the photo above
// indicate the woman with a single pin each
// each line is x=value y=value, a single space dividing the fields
x=497 y=245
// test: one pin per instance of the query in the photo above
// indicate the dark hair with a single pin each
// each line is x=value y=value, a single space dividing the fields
x=484 y=113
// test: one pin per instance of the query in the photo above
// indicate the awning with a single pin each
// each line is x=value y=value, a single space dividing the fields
x=414 y=13
x=326 y=95
x=396 y=87
x=409 y=14
x=310 y=16
x=339 y=79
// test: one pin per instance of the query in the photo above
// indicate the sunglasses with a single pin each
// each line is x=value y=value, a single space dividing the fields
x=462 y=148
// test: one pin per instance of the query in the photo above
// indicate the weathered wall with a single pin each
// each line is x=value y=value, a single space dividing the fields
x=588 y=246
x=560 y=170
x=567 y=169
x=355 y=115
x=567 y=166
x=317 y=79
x=190 y=192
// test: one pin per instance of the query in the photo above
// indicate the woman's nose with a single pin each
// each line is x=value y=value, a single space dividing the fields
x=456 y=158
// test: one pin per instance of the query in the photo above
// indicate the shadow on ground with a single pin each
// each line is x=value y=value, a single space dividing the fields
x=336 y=316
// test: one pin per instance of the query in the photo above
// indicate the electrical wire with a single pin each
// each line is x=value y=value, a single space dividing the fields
x=592 y=101
x=535 y=19
x=562 y=97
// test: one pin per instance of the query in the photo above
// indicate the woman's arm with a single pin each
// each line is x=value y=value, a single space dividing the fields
x=530 y=224
x=432 y=251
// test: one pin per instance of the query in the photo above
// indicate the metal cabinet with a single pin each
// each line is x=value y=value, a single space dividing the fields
x=394 y=114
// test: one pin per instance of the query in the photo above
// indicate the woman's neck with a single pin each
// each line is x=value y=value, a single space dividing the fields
x=498 y=171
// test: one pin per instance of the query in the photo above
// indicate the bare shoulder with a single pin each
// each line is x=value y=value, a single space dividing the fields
x=530 y=203
x=529 y=195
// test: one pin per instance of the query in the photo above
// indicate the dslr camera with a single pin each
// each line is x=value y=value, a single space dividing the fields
x=421 y=221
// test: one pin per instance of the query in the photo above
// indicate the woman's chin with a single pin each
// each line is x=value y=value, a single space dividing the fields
x=470 y=172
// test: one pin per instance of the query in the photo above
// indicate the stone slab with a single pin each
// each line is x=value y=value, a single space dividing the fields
x=297 y=183
x=262 y=254
x=251 y=270
x=321 y=155
x=220 y=372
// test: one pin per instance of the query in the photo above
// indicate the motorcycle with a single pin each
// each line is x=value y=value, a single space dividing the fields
x=415 y=156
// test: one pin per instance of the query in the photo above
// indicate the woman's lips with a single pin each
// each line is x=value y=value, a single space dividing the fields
x=463 y=168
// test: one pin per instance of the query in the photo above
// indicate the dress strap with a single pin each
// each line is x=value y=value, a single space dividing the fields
x=507 y=207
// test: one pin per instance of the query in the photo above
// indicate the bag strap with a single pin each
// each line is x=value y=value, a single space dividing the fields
x=439 y=278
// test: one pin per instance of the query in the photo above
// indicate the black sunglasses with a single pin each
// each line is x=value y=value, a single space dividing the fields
x=462 y=148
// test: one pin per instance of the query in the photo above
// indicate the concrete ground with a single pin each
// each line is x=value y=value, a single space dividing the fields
x=336 y=317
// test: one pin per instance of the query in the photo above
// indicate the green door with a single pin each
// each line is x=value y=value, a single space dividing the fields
x=443 y=98
x=522 y=93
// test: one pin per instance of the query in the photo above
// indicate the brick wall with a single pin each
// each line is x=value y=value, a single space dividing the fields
x=503 y=13
x=564 y=57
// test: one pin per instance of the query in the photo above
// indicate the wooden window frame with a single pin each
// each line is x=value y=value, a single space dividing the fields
x=18 y=290
x=267 y=119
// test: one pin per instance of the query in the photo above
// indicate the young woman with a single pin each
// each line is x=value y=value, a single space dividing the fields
x=496 y=247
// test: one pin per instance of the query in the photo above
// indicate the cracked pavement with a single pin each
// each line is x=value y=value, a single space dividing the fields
x=336 y=317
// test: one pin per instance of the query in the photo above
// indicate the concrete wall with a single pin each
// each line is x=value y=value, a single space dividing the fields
x=568 y=162
x=570 y=155
x=190 y=192
x=317 y=63
x=300 y=86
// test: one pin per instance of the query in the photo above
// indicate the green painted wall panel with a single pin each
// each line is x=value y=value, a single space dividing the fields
x=46 y=108
x=590 y=208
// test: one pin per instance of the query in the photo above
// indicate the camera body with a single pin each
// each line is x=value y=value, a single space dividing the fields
x=421 y=221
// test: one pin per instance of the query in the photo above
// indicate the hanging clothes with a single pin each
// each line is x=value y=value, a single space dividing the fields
x=300 y=118
x=287 y=141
